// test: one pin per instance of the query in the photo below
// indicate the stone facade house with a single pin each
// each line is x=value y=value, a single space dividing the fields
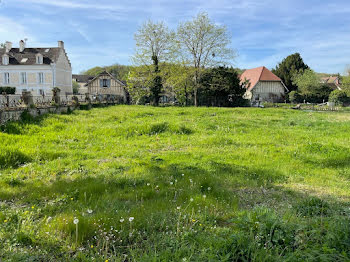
x=263 y=86
x=82 y=81
x=106 y=85
x=37 y=70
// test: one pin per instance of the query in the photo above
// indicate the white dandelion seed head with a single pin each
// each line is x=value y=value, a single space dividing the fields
x=121 y=220
x=171 y=183
x=204 y=196
x=148 y=184
x=76 y=221
x=191 y=199
x=131 y=219
x=89 y=211
x=178 y=208
x=183 y=175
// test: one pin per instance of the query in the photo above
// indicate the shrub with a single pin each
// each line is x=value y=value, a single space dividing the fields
x=339 y=97
x=8 y=90
x=295 y=97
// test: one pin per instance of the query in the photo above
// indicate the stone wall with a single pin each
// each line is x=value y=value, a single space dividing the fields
x=15 y=114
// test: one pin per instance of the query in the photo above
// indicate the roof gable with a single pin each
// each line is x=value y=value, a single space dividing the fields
x=258 y=74
x=102 y=74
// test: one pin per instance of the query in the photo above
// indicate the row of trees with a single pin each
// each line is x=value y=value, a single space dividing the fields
x=189 y=63
x=305 y=84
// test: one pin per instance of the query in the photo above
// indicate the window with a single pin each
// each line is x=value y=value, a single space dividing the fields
x=6 y=78
x=41 y=92
x=5 y=60
x=23 y=78
x=104 y=83
x=41 y=78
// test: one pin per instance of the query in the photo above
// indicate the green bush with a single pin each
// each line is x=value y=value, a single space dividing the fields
x=339 y=97
x=295 y=97
x=8 y=90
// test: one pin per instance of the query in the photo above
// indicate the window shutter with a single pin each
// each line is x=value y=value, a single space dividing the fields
x=101 y=83
x=109 y=83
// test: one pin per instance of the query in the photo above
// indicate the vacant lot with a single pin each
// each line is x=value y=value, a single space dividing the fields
x=132 y=183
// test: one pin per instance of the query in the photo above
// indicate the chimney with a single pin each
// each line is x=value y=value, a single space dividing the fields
x=8 y=46
x=22 y=45
x=61 y=44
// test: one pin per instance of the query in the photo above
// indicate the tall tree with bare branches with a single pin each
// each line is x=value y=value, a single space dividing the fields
x=154 y=45
x=205 y=44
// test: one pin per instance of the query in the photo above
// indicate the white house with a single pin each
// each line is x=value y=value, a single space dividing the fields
x=37 y=70
x=264 y=86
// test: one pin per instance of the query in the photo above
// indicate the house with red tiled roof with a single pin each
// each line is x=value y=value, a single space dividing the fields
x=332 y=81
x=263 y=86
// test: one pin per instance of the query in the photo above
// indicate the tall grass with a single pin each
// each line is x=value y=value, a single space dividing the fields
x=176 y=184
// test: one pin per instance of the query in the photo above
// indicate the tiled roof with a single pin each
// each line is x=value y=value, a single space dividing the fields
x=82 y=78
x=50 y=55
x=258 y=74
x=102 y=74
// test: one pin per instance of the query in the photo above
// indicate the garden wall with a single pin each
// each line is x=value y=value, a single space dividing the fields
x=12 y=107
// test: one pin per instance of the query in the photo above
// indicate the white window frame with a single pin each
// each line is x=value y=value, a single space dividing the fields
x=6 y=78
x=23 y=78
x=41 y=78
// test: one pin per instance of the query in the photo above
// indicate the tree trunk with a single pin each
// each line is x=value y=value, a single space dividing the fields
x=157 y=87
x=195 y=90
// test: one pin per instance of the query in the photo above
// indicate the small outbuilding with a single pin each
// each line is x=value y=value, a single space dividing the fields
x=106 y=85
x=263 y=86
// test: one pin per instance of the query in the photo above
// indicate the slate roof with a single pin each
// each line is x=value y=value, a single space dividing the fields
x=82 y=78
x=259 y=74
x=50 y=55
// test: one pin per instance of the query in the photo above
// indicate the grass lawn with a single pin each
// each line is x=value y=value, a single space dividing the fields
x=133 y=183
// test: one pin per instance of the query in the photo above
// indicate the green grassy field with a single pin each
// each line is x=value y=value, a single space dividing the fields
x=133 y=183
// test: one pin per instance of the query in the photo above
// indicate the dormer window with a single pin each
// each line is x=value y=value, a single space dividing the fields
x=39 y=59
x=5 y=59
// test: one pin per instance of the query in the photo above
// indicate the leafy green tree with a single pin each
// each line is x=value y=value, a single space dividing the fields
x=179 y=80
x=119 y=71
x=76 y=87
x=289 y=67
x=310 y=87
x=345 y=82
x=339 y=97
x=138 y=84
x=295 y=97
x=203 y=44
x=221 y=86
x=154 y=45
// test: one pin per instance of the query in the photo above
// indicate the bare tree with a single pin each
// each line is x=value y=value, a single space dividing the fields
x=154 y=45
x=205 y=44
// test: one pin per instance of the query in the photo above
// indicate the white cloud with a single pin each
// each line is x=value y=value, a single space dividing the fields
x=13 y=31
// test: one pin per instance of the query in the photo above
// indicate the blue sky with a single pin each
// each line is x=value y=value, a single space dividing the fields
x=100 y=32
